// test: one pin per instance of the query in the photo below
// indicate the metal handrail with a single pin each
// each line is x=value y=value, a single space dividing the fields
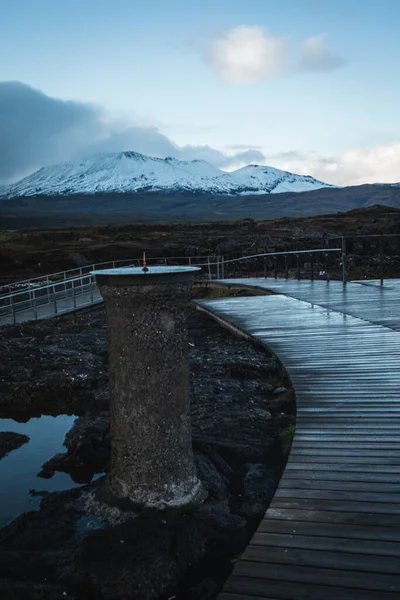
x=47 y=285
x=91 y=267
x=295 y=252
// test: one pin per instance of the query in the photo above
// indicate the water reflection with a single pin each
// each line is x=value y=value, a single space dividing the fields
x=19 y=469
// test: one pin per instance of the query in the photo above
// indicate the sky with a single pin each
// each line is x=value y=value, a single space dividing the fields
x=310 y=86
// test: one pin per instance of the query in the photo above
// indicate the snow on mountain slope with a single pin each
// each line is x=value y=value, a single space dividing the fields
x=125 y=172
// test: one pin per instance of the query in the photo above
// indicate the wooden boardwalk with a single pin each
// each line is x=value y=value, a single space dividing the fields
x=332 y=531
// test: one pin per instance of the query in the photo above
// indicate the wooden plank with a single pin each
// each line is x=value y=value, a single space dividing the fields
x=332 y=475
x=379 y=488
x=335 y=443
x=375 y=548
x=328 y=559
x=381 y=582
x=376 y=508
x=285 y=590
x=352 y=495
x=351 y=451
x=319 y=515
x=339 y=465
x=331 y=530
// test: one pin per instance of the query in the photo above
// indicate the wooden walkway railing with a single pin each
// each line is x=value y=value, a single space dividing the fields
x=332 y=531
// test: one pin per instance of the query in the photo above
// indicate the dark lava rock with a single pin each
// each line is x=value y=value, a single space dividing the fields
x=259 y=485
x=52 y=372
x=11 y=441
x=88 y=449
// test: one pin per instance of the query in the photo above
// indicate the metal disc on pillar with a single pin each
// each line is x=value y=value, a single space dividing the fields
x=151 y=446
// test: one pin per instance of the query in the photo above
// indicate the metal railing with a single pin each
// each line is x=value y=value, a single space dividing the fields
x=377 y=252
x=60 y=276
x=67 y=294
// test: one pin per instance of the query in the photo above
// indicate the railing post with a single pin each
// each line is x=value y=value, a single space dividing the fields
x=344 y=261
x=217 y=267
x=286 y=267
x=209 y=268
x=74 y=294
x=12 y=310
x=298 y=266
x=34 y=305
x=326 y=265
x=381 y=260
x=275 y=269
x=222 y=267
x=312 y=266
x=91 y=289
x=54 y=299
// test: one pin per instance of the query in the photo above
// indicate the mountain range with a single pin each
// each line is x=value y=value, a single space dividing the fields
x=131 y=172
x=128 y=186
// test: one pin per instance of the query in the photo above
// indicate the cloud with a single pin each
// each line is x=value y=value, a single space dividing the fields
x=314 y=56
x=379 y=164
x=246 y=54
x=37 y=130
x=243 y=147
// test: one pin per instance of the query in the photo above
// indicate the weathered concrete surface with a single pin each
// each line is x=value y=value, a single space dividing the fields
x=151 y=447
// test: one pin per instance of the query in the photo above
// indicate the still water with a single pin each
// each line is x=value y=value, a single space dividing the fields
x=18 y=470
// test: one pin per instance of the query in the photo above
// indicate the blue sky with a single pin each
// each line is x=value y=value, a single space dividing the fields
x=332 y=87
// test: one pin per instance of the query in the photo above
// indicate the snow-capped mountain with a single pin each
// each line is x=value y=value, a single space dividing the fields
x=131 y=172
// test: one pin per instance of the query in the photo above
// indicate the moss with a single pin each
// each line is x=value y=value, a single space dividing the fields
x=286 y=439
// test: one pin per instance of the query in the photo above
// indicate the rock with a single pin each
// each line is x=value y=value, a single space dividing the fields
x=52 y=373
x=88 y=449
x=248 y=371
x=211 y=479
x=259 y=485
x=219 y=518
x=11 y=441
x=268 y=388
x=280 y=390
x=92 y=427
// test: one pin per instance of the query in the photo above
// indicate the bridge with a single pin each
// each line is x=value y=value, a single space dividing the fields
x=332 y=531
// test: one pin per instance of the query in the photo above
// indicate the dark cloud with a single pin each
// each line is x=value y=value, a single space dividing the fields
x=37 y=130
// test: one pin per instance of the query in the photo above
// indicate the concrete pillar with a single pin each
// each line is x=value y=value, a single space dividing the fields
x=151 y=447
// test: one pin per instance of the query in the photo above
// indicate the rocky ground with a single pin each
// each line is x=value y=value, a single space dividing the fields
x=78 y=545
x=40 y=251
x=11 y=441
